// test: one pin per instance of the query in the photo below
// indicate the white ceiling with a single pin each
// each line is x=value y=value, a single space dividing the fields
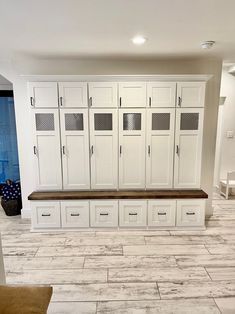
x=103 y=28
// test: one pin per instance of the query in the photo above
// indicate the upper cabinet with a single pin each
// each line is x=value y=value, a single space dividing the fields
x=43 y=94
x=72 y=95
x=191 y=94
x=132 y=94
x=161 y=94
x=103 y=94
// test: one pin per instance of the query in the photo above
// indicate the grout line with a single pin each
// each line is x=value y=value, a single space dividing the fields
x=217 y=306
x=208 y=273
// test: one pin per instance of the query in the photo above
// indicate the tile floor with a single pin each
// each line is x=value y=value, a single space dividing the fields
x=139 y=272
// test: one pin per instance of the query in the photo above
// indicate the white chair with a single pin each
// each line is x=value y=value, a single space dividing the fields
x=228 y=183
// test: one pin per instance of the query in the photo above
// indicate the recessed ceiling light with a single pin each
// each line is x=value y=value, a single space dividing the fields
x=139 y=40
x=207 y=44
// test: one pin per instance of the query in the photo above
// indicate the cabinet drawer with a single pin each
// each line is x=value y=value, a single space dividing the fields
x=46 y=214
x=190 y=213
x=161 y=213
x=132 y=213
x=75 y=214
x=104 y=213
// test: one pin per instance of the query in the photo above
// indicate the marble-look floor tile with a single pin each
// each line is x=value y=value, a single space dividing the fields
x=206 y=260
x=221 y=248
x=193 y=306
x=54 y=263
x=105 y=292
x=129 y=261
x=72 y=308
x=14 y=263
x=80 y=250
x=24 y=242
x=226 y=305
x=196 y=289
x=221 y=273
x=107 y=240
x=157 y=274
x=228 y=238
x=164 y=250
x=67 y=276
x=185 y=239
x=20 y=251
x=130 y=233
x=209 y=231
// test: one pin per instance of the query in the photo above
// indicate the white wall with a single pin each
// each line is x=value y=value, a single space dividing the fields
x=108 y=67
x=5 y=84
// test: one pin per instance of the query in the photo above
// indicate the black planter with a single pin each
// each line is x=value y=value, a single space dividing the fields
x=12 y=207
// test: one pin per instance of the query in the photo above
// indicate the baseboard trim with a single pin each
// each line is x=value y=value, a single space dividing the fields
x=26 y=213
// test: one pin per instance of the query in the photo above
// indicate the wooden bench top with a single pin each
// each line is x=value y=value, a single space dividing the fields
x=127 y=194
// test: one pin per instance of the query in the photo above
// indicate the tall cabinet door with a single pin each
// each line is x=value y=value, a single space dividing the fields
x=191 y=94
x=75 y=148
x=103 y=94
x=132 y=94
x=72 y=95
x=43 y=94
x=132 y=148
x=188 y=147
x=104 y=148
x=47 y=153
x=161 y=94
x=160 y=148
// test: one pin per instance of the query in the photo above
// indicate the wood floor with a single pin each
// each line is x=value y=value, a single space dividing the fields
x=142 y=272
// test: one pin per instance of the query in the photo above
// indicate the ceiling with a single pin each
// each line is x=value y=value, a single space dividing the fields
x=104 y=28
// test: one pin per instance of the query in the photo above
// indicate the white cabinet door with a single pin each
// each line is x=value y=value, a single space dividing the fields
x=188 y=148
x=191 y=94
x=132 y=213
x=104 y=213
x=47 y=153
x=160 y=148
x=73 y=94
x=104 y=148
x=161 y=94
x=161 y=213
x=190 y=213
x=103 y=94
x=132 y=94
x=75 y=214
x=75 y=148
x=43 y=94
x=132 y=149
x=45 y=214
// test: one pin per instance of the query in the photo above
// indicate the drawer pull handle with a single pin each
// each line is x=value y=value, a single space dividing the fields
x=190 y=213
x=46 y=215
x=104 y=214
x=133 y=214
x=161 y=214
x=74 y=215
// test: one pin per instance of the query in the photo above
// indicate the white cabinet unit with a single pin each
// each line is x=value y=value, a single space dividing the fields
x=75 y=214
x=47 y=153
x=73 y=95
x=191 y=94
x=45 y=214
x=190 y=213
x=104 y=148
x=161 y=94
x=104 y=213
x=132 y=94
x=75 y=148
x=160 y=148
x=103 y=94
x=132 y=148
x=132 y=213
x=43 y=94
x=161 y=213
x=188 y=147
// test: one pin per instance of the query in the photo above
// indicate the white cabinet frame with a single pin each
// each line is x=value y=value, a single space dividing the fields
x=73 y=95
x=132 y=94
x=43 y=94
x=161 y=94
x=103 y=94
x=191 y=94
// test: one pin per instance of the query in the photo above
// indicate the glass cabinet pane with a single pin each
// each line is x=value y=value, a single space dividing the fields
x=74 y=122
x=189 y=121
x=45 y=122
x=161 y=121
x=103 y=121
x=131 y=121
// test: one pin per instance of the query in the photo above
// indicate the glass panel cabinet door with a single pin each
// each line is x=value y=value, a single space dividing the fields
x=104 y=148
x=188 y=147
x=160 y=148
x=132 y=148
x=75 y=148
x=46 y=149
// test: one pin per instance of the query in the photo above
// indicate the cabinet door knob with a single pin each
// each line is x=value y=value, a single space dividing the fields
x=61 y=101
x=63 y=150
x=35 y=150
x=32 y=101
x=149 y=150
x=120 y=101
x=161 y=214
x=150 y=101
x=190 y=213
x=104 y=214
x=92 y=149
x=179 y=101
x=74 y=215
x=46 y=215
x=133 y=214
x=90 y=100
x=120 y=150
x=177 y=149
